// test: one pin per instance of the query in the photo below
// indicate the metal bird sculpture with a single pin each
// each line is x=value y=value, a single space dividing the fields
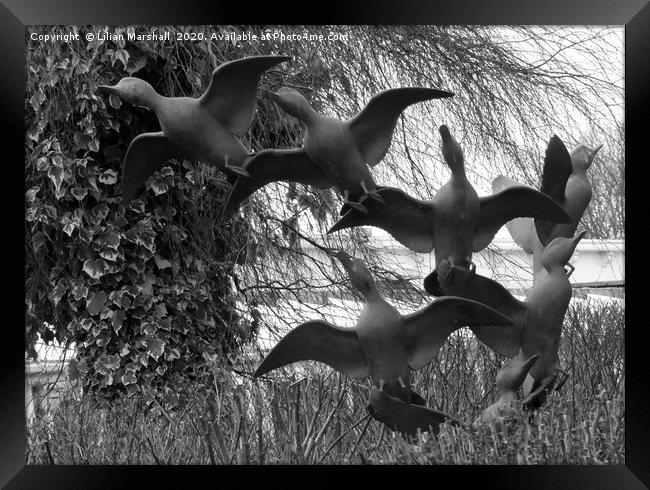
x=384 y=344
x=206 y=128
x=537 y=321
x=335 y=153
x=509 y=379
x=564 y=178
x=456 y=222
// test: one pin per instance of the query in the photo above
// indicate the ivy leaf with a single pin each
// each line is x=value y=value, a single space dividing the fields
x=79 y=192
x=106 y=314
x=86 y=323
x=81 y=140
x=136 y=64
x=42 y=164
x=142 y=234
x=31 y=193
x=161 y=263
x=129 y=378
x=38 y=241
x=109 y=240
x=155 y=347
x=118 y=320
x=95 y=268
x=172 y=354
x=95 y=304
x=99 y=213
x=106 y=363
x=109 y=254
x=123 y=56
x=109 y=177
x=80 y=292
x=56 y=175
x=94 y=145
x=58 y=292
x=161 y=310
x=159 y=188
x=137 y=205
x=149 y=328
x=36 y=100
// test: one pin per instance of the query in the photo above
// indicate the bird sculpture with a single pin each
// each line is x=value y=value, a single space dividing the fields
x=509 y=379
x=537 y=321
x=206 y=128
x=335 y=153
x=456 y=222
x=384 y=344
x=404 y=417
x=564 y=178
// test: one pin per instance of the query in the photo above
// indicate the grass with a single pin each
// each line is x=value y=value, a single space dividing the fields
x=309 y=414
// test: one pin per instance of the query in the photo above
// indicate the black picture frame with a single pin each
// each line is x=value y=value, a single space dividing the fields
x=16 y=14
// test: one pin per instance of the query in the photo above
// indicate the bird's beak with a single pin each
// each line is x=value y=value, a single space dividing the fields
x=574 y=243
x=106 y=89
x=578 y=237
x=592 y=156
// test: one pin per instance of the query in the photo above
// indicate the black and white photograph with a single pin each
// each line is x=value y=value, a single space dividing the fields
x=325 y=245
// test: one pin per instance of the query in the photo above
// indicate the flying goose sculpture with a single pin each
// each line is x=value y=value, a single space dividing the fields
x=564 y=178
x=455 y=222
x=206 y=128
x=537 y=321
x=384 y=344
x=335 y=153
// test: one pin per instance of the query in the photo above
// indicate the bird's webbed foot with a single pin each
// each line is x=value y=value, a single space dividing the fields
x=353 y=204
x=372 y=193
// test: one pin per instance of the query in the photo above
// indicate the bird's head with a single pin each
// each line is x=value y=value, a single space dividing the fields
x=513 y=373
x=559 y=251
x=292 y=102
x=132 y=90
x=451 y=150
x=582 y=156
x=359 y=275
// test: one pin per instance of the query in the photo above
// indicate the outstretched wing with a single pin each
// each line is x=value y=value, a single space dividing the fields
x=557 y=170
x=274 y=166
x=372 y=128
x=514 y=202
x=505 y=340
x=147 y=153
x=319 y=341
x=232 y=95
x=405 y=417
x=427 y=329
x=522 y=230
x=408 y=220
